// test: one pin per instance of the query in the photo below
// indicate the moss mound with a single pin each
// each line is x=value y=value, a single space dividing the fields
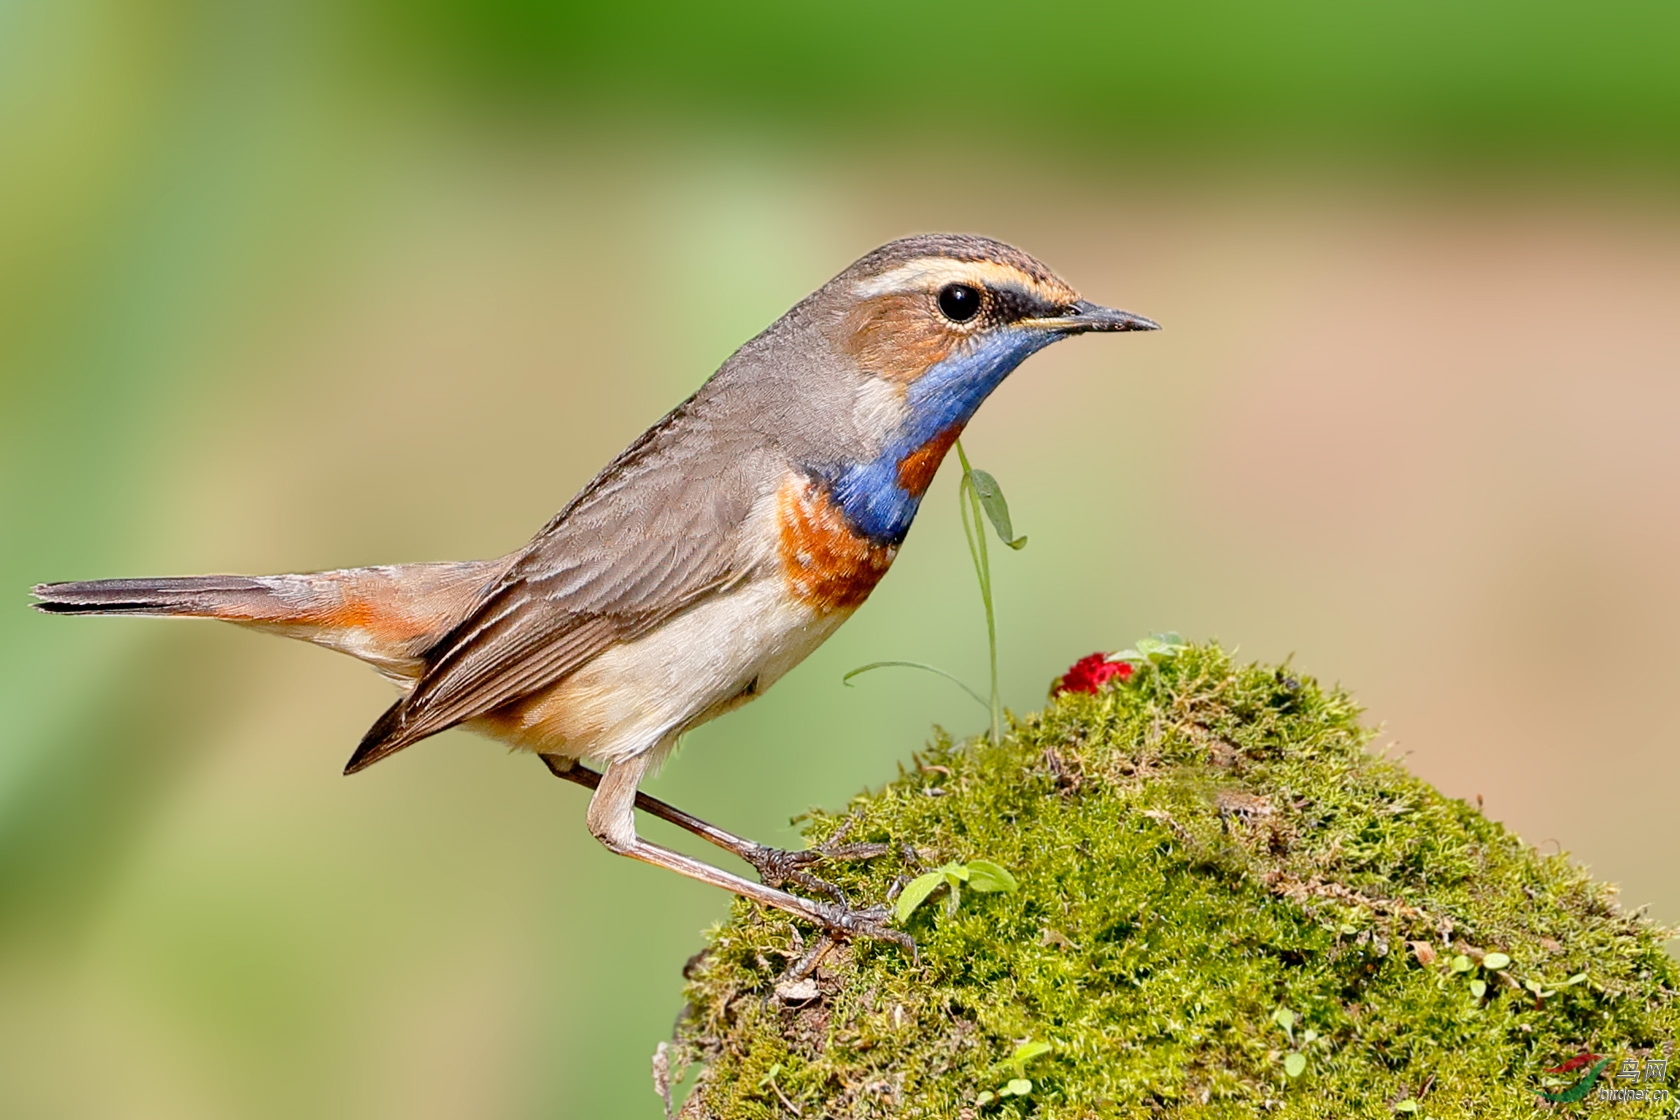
x=1226 y=905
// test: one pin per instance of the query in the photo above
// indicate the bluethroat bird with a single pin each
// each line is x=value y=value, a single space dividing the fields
x=716 y=552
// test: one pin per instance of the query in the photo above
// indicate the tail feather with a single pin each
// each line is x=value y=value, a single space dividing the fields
x=234 y=597
x=388 y=617
x=383 y=738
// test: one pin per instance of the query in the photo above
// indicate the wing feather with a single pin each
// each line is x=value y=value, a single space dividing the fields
x=657 y=530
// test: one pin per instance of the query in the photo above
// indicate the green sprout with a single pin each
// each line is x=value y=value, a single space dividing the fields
x=1294 y=1062
x=1463 y=964
x=1019 y=1085
x=980 y=875
x=979 y=493
x=1156 y=647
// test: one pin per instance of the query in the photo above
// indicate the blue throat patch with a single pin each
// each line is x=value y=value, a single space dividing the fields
x=944 y=397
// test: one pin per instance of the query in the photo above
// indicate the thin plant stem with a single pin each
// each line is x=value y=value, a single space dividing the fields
x=974 y=529
x=978 y=699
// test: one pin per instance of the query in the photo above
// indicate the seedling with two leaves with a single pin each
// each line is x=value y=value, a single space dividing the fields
x=1294 y=1062
x=1156 y=647
x=977 y=875
x=1019 y=1085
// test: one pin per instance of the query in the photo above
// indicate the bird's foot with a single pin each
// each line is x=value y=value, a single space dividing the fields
x=842 y=923
x=777 y=866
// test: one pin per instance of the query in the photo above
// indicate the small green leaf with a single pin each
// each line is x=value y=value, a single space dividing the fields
x=916 y=892
x=1461 y=963
x=1156 y=645
x=986 y=488
x=1406 y=1106
x=1295 y=1064
x=1285 y=1018
x=1027 y=1051
x=1496 y=961
x=986 y=1097
x=984 y=875
x=1478 y=988
x=1309 y=1037
x=955 y=873
x=1017 y=1087
x=1578 y=978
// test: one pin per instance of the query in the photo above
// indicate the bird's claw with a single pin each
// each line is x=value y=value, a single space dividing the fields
x=843 y=924
x=839 y=920
x=777 y=866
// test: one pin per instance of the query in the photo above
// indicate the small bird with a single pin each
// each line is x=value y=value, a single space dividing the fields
x=705 y=561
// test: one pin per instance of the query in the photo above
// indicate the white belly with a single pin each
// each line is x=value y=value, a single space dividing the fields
x=643 y=694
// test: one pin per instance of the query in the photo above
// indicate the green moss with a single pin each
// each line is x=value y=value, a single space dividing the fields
x=1198 y=850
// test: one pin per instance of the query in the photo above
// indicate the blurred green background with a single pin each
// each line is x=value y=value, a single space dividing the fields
x=287 y=286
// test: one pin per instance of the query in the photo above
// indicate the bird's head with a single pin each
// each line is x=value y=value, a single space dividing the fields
x=959 y=309
x=935 y=323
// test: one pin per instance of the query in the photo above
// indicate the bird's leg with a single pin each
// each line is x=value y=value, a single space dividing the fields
x=612 y=821
x=775 y=866
x=590 y=779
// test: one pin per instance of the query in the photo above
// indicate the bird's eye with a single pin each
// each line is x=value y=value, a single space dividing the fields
x=959 y=302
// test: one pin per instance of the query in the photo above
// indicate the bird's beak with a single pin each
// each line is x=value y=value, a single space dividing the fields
x=1087 y=316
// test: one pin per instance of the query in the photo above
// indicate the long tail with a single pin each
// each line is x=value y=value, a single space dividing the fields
x=236 y=598
x=386 y=616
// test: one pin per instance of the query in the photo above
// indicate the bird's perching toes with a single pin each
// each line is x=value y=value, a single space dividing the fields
x=778 y=866
x=845 y=923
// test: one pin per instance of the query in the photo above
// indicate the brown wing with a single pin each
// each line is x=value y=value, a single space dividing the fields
x=658 y=529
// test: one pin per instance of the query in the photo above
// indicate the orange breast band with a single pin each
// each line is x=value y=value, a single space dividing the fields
x=828 y=565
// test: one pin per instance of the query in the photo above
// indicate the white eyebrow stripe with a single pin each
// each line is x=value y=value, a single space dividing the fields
x=932 y=272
